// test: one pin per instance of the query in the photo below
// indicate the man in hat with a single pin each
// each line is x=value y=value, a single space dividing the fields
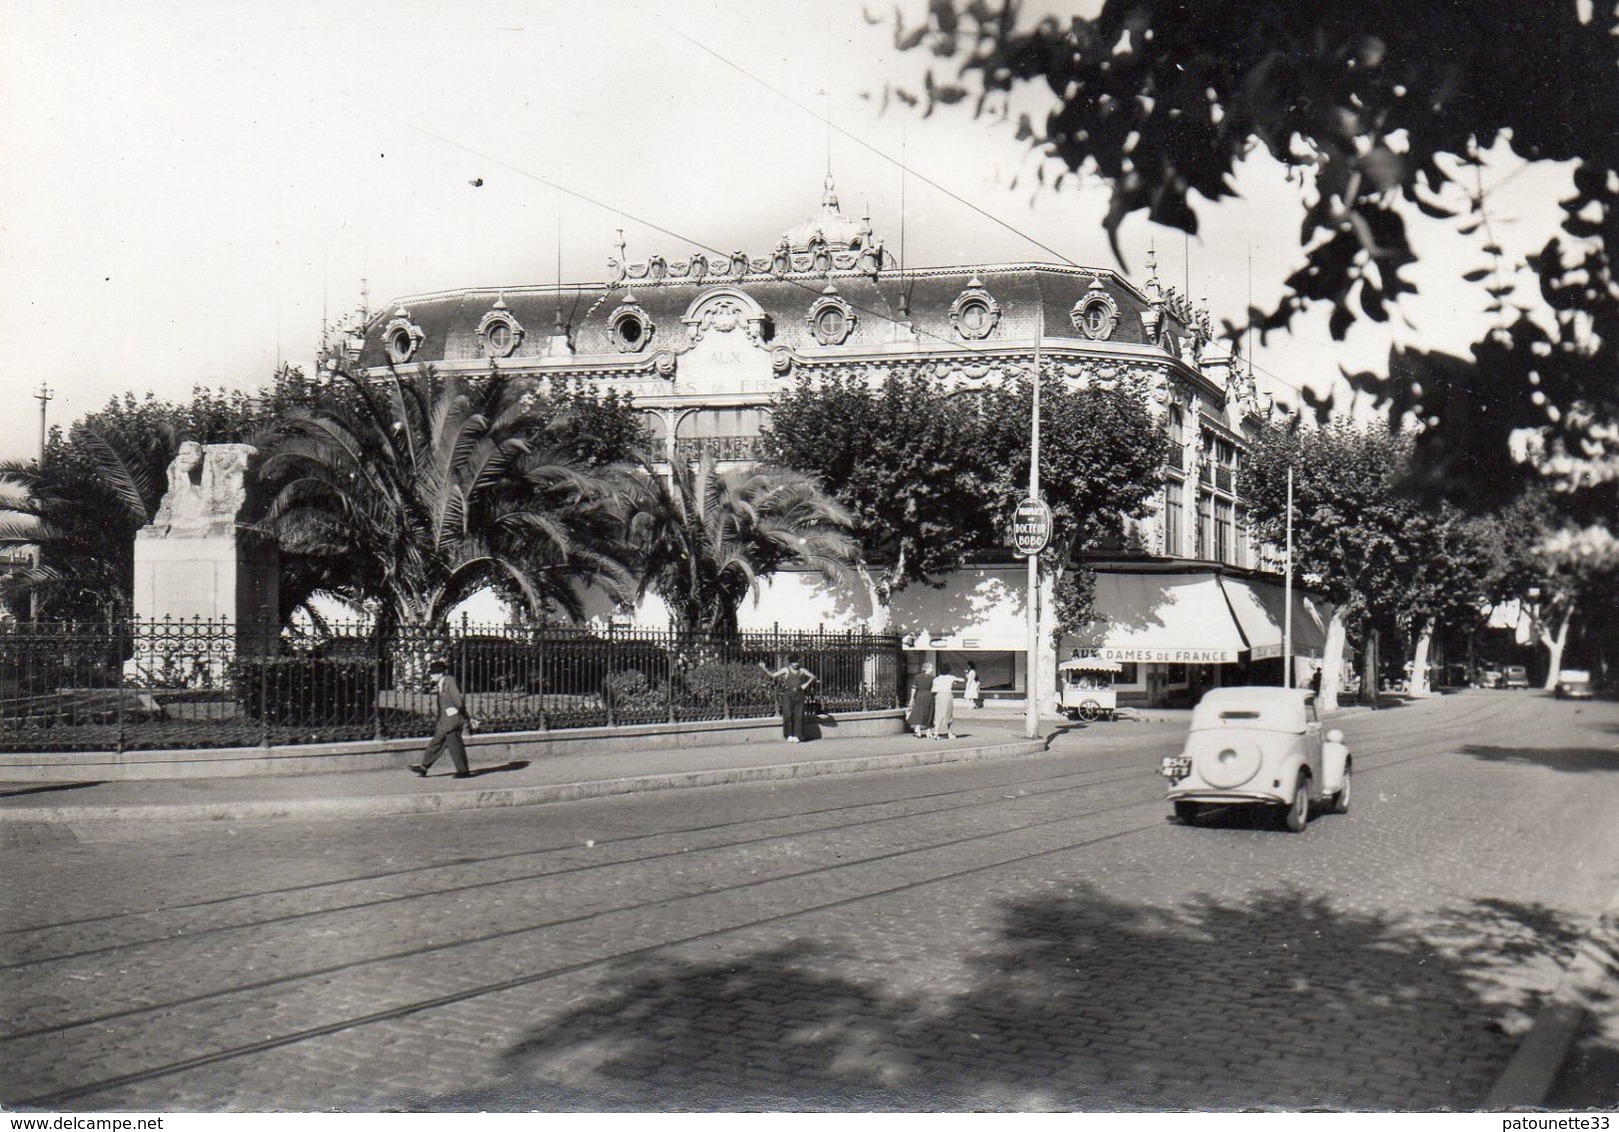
x=452 y=720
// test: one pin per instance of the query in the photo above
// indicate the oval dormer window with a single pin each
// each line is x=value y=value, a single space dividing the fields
x=401 y=338
x=975 y=312
x=500 y=333
x=631 y=329
x=631 y=332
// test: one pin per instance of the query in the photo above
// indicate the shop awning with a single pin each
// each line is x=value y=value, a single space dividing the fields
x=1162 y=619
x=1260 y=608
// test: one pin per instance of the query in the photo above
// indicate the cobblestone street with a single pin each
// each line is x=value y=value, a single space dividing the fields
x=1024 y=934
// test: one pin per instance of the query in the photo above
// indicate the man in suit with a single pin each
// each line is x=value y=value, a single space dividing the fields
x=452 y=720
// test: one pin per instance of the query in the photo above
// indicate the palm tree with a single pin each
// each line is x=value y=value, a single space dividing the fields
x=417 y=492
x=707 y=538
x=80 y=507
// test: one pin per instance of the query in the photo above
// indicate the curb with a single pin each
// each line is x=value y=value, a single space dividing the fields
x=397 y=804
x=1534 y=1067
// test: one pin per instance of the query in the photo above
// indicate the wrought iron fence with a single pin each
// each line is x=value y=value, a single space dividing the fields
x=146 y=685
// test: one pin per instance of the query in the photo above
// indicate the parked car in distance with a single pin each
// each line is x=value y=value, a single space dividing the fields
x=1489 y=677
x=1514 y=676
x=1260 y=746
x=1573 y=684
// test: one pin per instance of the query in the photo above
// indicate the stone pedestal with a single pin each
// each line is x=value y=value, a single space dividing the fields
x=196 y=564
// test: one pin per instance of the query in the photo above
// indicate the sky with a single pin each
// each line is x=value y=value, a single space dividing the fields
x=188 y=189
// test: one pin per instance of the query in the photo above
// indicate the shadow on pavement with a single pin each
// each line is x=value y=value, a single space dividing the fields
x=499 y=768
x=1571 y=760
x=47 y=788
x=1080 y=1001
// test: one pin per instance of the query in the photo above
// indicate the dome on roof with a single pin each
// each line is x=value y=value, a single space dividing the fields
x=837 y=231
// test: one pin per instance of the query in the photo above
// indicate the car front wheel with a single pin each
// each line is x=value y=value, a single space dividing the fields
x=1187 y=812
x=1340 y=800
x=1298 y=813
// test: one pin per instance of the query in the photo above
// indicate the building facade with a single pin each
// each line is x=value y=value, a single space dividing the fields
x=705 y=344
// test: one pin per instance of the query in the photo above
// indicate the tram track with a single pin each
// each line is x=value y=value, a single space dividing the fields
x=293 y=1037
x=965 y=799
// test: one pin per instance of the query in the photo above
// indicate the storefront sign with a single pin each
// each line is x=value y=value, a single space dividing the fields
x=1031 y=528
x=1168 y=656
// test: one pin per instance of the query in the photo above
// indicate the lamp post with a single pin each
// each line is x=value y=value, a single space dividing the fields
x=1287 y=592
x=1031 y=711
x=43 y=395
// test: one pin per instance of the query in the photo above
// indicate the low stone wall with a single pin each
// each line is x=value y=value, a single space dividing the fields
x=326 y=758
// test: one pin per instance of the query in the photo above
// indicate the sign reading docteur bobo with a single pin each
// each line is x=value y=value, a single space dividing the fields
x=1031 y=528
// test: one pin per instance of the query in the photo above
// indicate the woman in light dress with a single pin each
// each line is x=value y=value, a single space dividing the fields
x=944 y=703
x=973 y=692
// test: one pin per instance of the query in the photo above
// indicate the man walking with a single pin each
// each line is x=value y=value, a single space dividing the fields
x=452 y=720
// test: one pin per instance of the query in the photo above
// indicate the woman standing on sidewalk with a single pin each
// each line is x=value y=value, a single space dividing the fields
x=944 y=703
x=796 y=680
x=919 y=717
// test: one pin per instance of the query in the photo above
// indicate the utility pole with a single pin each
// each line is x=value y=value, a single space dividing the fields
x=1287 y=592
x=1031 y=718
x=43 y=395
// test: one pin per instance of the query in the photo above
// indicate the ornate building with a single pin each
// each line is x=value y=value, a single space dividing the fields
x=704 y=345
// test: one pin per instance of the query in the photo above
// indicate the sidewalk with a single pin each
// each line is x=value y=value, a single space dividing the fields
x=552 y=778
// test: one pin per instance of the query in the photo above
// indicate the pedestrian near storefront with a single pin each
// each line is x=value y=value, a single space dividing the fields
x=974 y=691
x=919 y=715
x=452 y=720
x=796 y=681
x=944 y=703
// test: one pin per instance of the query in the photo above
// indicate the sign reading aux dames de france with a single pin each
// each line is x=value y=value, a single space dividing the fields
x=1031 y=528
x=1150 y=655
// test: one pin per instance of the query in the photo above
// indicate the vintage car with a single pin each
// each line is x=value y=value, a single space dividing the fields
x=1573 y=684
x=1514 y=676
x=1259 y=745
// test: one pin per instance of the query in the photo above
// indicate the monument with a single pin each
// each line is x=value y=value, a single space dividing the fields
x=196 y=560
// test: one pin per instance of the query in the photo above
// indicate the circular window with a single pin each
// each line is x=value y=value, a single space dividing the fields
x=975 y=319
x=630 y=328
x=830 y=319
x=975 y=312
x=1096 y=315
x=501 y=333
x=401 y=338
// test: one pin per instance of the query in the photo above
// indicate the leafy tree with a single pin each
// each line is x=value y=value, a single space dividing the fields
x=902 y=457
x=1542 y=560
x=81 y=512
x=419 y=491
x=1350 y=525
x=1447 y=564
x=707 y=538
x=933 y=477
x=1102 y=459
x=1378 y=110
x=102 y=481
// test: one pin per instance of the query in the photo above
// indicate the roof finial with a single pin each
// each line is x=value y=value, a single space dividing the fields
x=829 y=198
x=1154 y=291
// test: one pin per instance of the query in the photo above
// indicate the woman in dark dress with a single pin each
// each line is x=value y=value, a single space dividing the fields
x=920 y=716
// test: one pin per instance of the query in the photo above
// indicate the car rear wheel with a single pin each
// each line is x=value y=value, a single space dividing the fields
x=1187 y=813
x=1298 y=813
x=1340 y=800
